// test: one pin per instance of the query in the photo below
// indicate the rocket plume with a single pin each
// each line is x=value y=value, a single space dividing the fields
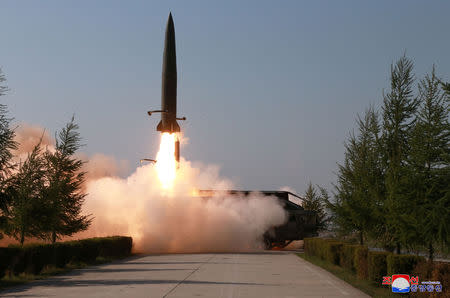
x=166 y=165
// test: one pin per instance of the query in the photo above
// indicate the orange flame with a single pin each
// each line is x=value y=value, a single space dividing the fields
x=166 y=165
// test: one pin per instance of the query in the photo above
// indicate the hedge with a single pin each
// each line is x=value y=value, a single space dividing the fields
x=333 y=251
x=361 y=263
x=374 y=265
x=32 y=258
x=377 y=265
x=310 y=246
x=402 y=264
x=347 y=257
x=326 y=249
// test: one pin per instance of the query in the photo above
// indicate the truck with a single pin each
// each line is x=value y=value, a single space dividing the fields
x=301 y=223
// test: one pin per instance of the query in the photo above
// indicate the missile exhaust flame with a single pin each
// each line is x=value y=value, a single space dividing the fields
x=166 y=165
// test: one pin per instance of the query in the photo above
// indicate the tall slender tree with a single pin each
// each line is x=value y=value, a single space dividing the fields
x=314 y=202
x=359 y=188
x=399 y=106
x=64 y=193
x=429 y=166
x=26 y=209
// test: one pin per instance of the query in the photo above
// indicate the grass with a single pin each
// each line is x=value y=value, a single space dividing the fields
x=366 y=286
x=23 y=278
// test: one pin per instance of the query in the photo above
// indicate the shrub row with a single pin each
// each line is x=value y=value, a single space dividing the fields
x=366 y=264
x=32 y=258
x=326 y=249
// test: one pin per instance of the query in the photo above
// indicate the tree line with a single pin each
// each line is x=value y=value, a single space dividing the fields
x=41 y=196
x=393 y=187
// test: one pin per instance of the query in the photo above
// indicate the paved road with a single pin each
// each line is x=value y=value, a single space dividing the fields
x=259 y=274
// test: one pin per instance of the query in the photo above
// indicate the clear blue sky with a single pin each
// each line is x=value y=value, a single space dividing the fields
x=271 y=89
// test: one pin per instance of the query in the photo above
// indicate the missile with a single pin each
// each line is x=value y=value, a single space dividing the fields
x=168 y=109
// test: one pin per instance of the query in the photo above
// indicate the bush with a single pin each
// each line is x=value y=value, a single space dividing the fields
x=37 y=256
x=7 y=257
x=347 y=257
x=402 y=264
x=89 y=250
x=33 y=258
x=308 y=246
x=377 y=265
x=311 y=246
x=314 y=246
x=333 y=251
x=322 y=247
x=114 y=247
x=361 y=262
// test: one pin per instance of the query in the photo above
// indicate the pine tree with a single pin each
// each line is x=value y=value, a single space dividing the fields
x=25 y=212
x=399 y=106
x=64 y=193
x=359 y=189
x=314 y=202
x=7 y=145
x=430 y=167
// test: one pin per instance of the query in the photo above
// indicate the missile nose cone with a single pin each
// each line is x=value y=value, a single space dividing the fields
x=170 y=20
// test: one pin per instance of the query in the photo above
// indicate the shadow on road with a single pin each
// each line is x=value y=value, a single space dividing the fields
x=61 y=282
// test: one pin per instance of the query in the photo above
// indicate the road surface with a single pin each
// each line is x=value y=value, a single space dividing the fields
x=258 y=274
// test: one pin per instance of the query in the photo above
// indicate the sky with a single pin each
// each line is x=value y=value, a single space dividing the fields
x=270 y=89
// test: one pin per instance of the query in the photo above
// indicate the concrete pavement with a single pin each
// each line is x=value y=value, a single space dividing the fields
x=258 y=274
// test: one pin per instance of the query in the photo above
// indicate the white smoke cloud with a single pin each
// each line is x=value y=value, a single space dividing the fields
x=175 y=220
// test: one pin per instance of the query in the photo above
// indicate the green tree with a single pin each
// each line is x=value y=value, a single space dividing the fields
x=26 y=207
x=399 y=106
x=314 y=202
x=359 y=190
x=429 y=166
x=65 y=178
x=7 y=145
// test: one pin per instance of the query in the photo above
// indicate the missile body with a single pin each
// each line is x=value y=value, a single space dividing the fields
x=168 y=110
x=169 y=83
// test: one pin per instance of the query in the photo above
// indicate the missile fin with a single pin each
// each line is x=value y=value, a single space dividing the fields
x=160 y=126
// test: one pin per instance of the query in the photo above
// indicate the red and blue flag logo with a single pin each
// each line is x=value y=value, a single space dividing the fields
x=400 y=283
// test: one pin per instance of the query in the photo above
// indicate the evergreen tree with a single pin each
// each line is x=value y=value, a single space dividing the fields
x=7 y=145
x=26 y=207
x=430 y=167
x=399 y=106
x=314 y=202
x=64 y=194
x=359 y=189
